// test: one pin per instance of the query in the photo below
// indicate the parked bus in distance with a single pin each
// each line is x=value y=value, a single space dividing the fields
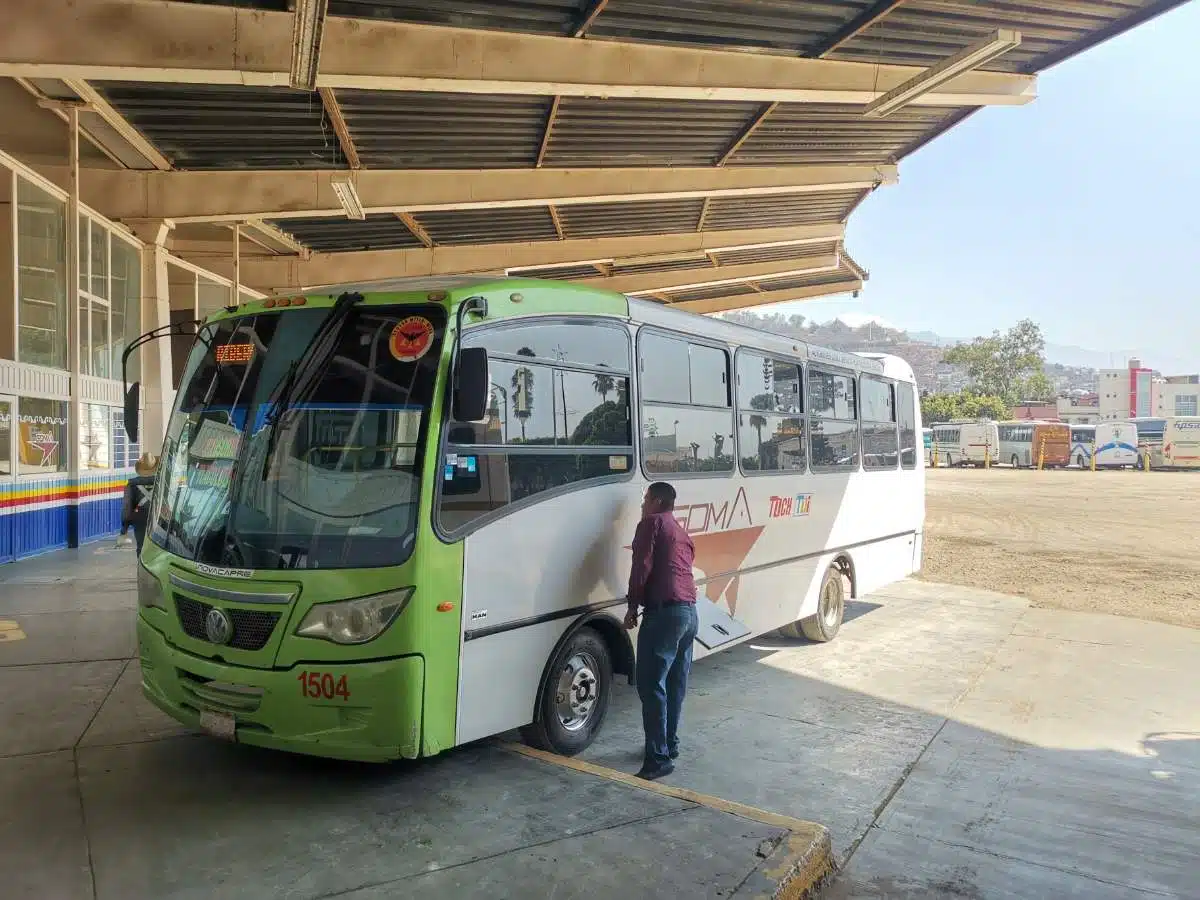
x=1115 y=445
x=1021 y=442
x=968 y=443
x=927 y=441
x=394 y=519
x=1171 y=443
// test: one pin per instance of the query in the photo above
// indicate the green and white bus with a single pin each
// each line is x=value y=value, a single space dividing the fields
x=392 y=519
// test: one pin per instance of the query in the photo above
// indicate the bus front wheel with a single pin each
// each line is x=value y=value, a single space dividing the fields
x=573 y=697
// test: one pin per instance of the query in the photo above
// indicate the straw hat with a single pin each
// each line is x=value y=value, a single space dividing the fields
x=146 y=465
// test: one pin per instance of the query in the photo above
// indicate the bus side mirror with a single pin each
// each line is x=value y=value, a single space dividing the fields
x=471 y=385
x=133 y=404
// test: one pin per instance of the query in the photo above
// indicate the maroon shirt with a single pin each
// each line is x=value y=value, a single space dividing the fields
x=662 y=563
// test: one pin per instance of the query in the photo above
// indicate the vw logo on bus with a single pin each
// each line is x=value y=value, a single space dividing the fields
x=217 y=626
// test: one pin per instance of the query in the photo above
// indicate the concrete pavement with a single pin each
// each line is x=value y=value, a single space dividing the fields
x=956 y=743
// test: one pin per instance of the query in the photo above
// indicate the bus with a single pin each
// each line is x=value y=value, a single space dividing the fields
x=1170 y=443
x=1114 y=443
x=1021 y=443
x=965 y=443
x=396 y=518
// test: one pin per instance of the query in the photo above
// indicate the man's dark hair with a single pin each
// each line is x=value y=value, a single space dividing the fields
x=663 y=494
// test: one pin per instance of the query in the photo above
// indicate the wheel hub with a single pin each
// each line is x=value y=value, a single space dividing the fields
x=578 y=691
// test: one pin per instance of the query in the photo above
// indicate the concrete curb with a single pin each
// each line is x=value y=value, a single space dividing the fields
x=794 y=869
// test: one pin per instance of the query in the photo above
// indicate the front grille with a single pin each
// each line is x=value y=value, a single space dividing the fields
x=207 y=693
x=251 y=627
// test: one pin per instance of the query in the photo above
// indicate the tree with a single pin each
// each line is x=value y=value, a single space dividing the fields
x=937 y=408
x=604 y=385
x=1008 y=365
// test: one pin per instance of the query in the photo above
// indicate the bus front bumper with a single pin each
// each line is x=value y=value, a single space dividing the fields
x=375 y=715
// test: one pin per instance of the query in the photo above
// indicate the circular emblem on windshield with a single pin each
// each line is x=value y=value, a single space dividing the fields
x=217 y=626
x=411 y=338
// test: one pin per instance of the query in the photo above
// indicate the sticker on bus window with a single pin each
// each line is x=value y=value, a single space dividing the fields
x=411 y=338
x=618 y=463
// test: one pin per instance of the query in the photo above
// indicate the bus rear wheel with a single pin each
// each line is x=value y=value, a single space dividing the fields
x=573 y=697
x=831 y=609
x=1014 y=462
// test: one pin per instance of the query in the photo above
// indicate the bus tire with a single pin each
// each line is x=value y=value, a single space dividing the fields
x=1014 y=462
x=949 y=461
x=831 y=608
x=574 y=696
x=1080 y=462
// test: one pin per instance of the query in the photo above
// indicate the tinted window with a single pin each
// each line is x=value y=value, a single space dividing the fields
x=906 y=417
x=591 y=409
x=579 y=344
x=769 y=385
x=686 y=439
x=666 y=369
x=831 y=395
x=834 y=444
x=710 y=376
x=879 y=445
x=879 y=438
x=878 y=400
x=522 y=407
x=771 y=443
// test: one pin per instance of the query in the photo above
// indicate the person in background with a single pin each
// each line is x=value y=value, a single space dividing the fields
x=661 y=582
x=135 y=511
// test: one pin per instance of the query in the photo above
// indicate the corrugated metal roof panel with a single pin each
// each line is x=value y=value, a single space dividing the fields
x=710 y=292
x=921 y=32
x=641 y=217
x=638 y=132
x=489 y=226
x=780 y=25
x=674 y=265
x=557 y=273
x=531 y=16
x=381 y=231
x=829 y=134
x=833 y=277
x=772 y=254
x=229 y=127
x=402 y=130
x=783 y=209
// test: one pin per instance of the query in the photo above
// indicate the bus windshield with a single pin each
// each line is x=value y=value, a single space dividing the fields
x=331 y=480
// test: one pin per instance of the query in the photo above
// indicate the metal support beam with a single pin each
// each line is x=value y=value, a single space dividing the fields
x=550 y=119
x=589 y=17
x=746 y=132
x=236 y=290
x=764 y=298
x=206 y=44
x=118 y=123
x=854 y=27
x=416 y=228
x=236 y=196
x=76 y=322
x=271 y=238
x=284 y=273
x=554 y=217
x=333 y=112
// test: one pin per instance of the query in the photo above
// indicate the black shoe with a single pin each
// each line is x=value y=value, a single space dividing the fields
x=674 y=754
x=652 y=771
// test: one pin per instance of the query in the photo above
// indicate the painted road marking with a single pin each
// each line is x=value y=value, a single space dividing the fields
x=794 y=871
x=10 y=631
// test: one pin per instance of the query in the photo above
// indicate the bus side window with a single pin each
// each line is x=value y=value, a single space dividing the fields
x=833 y=437
x=906 y=417
x=540 y=404
x=879 y=437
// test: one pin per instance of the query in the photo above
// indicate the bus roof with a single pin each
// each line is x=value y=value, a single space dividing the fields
x=528 y=296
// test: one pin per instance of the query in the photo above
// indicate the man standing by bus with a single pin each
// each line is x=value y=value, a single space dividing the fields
x=661 y=582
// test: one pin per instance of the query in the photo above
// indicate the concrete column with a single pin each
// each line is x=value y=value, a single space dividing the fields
x=75 y=322
x=158 y=394
x=8 y=266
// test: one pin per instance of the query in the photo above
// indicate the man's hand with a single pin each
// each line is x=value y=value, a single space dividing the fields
x=631 y=618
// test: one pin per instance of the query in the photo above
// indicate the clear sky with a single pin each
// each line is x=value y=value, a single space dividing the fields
x=1078 y=211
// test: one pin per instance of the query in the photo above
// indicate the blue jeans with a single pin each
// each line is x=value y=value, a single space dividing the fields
x=664 y=658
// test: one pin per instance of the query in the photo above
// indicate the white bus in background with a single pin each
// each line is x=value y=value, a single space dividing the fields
x=965 y=443
x=1171 y=443
x=1114 y=443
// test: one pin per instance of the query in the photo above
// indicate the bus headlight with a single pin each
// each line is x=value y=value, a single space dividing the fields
x=149 y=589
x=354 y=621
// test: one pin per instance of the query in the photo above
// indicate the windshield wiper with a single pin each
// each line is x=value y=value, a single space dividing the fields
x=302 y=375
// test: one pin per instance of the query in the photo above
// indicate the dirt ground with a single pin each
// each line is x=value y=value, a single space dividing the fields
x=1125 y=543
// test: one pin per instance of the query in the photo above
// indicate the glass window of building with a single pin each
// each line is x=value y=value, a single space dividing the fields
x=126 y=304
x=41 y=277
x=95 y=448
x=6 y=418
x=42 y=436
